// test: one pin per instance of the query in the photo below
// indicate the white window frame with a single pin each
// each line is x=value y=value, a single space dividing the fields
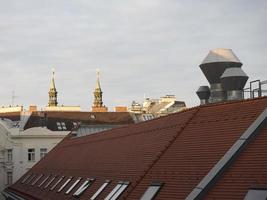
x=61 y=126
x=31 y=155
x=9 y=155
x=43 y=152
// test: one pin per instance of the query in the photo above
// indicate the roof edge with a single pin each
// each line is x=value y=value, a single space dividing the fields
x=229 y=157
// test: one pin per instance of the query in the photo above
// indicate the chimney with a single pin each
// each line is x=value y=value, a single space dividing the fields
x=203 y=93
x=213 y=66
x=32 y=108
x=233 y=81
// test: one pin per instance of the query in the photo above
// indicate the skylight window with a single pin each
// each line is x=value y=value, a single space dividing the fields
x=49 y=182
x=44 y=181
x=37 y=179
x=31 y=178
x=55 y=185
x=152 y=191
x=61 y=126
x=64 y=185
x=117 y=191
x=100 y=190
x=83 y=187
x=75 y=124
x=26 y=177
x=73 y=185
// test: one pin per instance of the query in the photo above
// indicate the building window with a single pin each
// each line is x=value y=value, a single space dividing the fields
x=61 y=126
x=9 y=178
x=9 y=155
x=43 y=152
x=152 y=191
x=117 y=191
x=31 y=155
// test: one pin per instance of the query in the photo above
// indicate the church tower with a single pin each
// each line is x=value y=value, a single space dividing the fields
x=98 y=102
x=52 y=92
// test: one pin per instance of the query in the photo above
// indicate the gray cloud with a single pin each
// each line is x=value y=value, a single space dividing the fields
x=152 y=47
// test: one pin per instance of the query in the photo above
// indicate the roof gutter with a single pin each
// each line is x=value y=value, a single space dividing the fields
x=221 y=166
x=11 y=196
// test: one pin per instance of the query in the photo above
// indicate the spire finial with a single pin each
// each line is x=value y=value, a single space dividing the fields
x=97 y=73
x=53 y=72
x=97 y=79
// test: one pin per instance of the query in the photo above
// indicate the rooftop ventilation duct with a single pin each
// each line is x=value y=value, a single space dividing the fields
x=233 y=81
x=203 y=93
x=213 y=66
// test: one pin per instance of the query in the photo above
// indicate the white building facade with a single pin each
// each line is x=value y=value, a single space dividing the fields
x=20 y=150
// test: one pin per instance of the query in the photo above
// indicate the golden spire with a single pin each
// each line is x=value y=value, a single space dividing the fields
x=98 y=92
x=52 y=91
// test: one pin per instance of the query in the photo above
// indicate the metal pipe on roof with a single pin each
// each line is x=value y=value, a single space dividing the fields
x=213 y=66
x=233 y=81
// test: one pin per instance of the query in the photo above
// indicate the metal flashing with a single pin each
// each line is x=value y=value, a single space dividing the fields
x=229 y=157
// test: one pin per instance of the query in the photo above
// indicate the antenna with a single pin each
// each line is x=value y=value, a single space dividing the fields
x=13 y=96
x=53 y=71
x=98 y=72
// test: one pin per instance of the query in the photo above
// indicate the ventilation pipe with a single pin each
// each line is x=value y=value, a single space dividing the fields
x=213 y=66
x=203 y=93
x=233 y=81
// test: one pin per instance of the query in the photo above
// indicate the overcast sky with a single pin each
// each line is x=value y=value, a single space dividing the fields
x=150 y=47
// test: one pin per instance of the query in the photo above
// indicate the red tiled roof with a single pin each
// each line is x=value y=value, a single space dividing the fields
x=178 y=150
